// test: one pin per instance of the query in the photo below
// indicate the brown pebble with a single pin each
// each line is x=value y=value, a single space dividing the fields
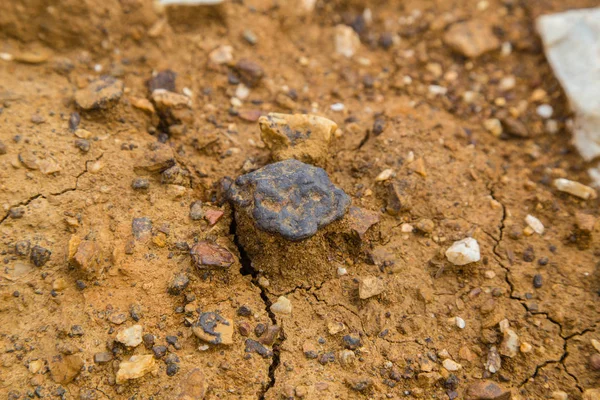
x=595 y=362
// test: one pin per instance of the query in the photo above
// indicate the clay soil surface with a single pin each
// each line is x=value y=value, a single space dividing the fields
x=104 y=190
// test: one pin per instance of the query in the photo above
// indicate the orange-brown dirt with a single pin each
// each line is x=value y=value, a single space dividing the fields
x=61 y=187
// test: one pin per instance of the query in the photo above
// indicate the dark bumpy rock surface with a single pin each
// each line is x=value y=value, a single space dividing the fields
x=290 y=198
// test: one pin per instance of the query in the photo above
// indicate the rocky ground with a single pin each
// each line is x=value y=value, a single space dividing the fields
x=157 y=242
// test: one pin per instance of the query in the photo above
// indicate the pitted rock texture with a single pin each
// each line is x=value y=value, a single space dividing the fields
x=289 y=198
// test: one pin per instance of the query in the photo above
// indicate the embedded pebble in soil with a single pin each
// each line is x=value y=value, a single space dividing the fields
x=535 y=224
x=487 y=390
x=289 y=198
x=471 y=39
x=208 y=255
x=64 y=368
x=347 y=41
x=131 y=336
x=463 y=252
x=136 y=367
x=100 y=94
x=282 y=306
x=304 y=137
x=575 y=188
x=370 y=286
x=213 y=328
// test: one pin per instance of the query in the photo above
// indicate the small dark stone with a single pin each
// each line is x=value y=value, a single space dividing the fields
x=178 y=284
x=39 y=255
x=22 y=247
x=172 y=369
x=244 y=328
x=537 y=281
x=311 y=354
x=327 y=358
x=529 y=254
x=451 y=383
x=159 y=351
x=351 y=342
x=141 y=226
x=76 y=330
x=209 y=255
x=148 y=340
x=260 y=329
x=250 y=73
x=74 y=120
x=2 y=148
x=302 y=199
x=16 y=212
x=379 y=126
x=244 y=311
x=16 y=293
x=102 y=358
x=175 y=175
x=140 y=184
x=135 y=310
x=172 y=340
x=252 y=346
x=543 y=261
x=386 y=40
x=83 y=145
x=271 y=335
x=361 y=385
x=196 y=211
x=80 y=284
x=162 y=80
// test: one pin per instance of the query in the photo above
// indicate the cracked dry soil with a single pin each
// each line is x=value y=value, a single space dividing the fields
x=72 y=181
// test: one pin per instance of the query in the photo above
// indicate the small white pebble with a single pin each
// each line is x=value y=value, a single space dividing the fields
x=407 y=228
x=188 y=92
x=437 y=90
x=6 y=56
x=242 y=92
x=410 y=157
x=384 y=175
x=407 y=80
x=98 y=68
x=535 y=224
x=507 y=83
x=337 y=107
x=489 y=274
x=545 y=111
x=460 y=323
x=341 y=271
x=451 y=365
x=236 y=102
x=551 y=126
x=506 y=49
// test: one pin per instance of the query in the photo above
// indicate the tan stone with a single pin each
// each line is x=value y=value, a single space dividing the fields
x=135 y=367
x=65 y=368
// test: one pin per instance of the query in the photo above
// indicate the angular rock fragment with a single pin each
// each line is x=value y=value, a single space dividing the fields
x=463 y=252
x=130 y=337
x=214 y=329
x=471 y=39
x=575 y=188
x=86 y=255
x=100 y=94
x=282 y=306
x=209 y=255
x=135 y=367
x=304 y=137
x=360 y=220
x=289 y=198
x=162 y=80
x=370 y=286
x=157 y=159
x=346 y=40
x=141 y=227
x=252 y=346
x=250 y=73
x=39 y=256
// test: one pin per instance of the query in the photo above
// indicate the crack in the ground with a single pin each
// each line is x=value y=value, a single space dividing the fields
x=512 y=296
x=248 y=269
x=38 y=195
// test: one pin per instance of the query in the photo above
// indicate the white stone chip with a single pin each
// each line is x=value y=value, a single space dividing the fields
x=347 y=41
x=575 y=188
x=535 y=224
x=131 y=336
x=282 y=306
x=463 y=252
